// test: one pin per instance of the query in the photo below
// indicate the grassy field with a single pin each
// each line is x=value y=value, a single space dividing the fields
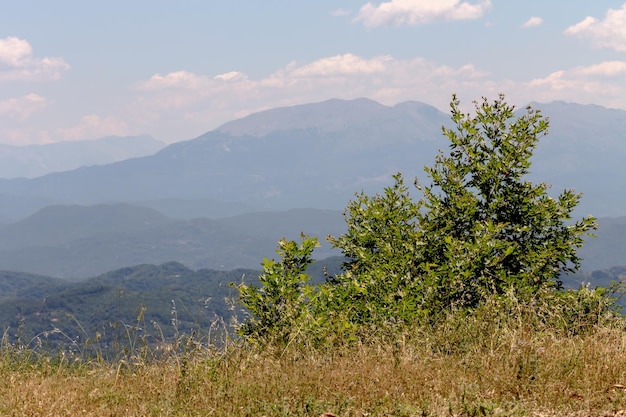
x=461 y=368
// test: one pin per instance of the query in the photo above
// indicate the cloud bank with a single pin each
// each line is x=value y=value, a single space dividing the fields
x=189 y=99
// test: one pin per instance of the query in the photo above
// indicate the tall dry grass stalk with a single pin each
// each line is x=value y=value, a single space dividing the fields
x=455 y=369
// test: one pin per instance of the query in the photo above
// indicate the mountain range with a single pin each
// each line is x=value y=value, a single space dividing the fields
x=86 y=221
x=303 y=167
x=318 y=155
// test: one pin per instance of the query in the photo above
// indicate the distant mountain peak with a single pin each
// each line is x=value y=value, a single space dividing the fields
x=334 y=115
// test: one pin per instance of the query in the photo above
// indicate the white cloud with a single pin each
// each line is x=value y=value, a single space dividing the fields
x=231 y=76
x=607 y=33
x=586 y=24
x=555 y=81
x=92 y=127
x=178 y=79
x=347 y=64
x=602 y=84
x=14 y=52
x=606 y=69
x=21 y=108
x=412 y=12
x=533 y=21
x=17 y=62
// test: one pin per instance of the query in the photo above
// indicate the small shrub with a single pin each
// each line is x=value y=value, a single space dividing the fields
x=279 y=305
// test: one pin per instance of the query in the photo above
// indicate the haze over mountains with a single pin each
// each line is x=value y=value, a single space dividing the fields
x=310 y=166
x=173 y=205
x=37 y=160
x=77 y=242
x=318 y=155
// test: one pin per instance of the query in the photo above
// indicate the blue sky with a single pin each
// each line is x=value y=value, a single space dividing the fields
x=78 y=70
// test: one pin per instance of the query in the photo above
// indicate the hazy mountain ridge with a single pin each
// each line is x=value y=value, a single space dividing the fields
x=584 y=150
x=76 y=242
x=36 y=160
x=301 y=168
x=332 y=116
x=58 y=225
x=608 y=248
x=187 y=209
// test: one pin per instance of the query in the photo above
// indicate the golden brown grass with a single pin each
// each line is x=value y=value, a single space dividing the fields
x=508 y=372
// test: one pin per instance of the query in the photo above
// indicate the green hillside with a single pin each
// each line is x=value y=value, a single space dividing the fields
x=169 y=297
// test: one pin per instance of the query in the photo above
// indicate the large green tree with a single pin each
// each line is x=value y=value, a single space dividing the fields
x=485 y=227
x=481 y=228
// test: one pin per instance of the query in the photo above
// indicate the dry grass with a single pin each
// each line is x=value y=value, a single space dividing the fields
x=511 y=372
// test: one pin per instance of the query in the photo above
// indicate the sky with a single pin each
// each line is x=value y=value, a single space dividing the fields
x=81 y=70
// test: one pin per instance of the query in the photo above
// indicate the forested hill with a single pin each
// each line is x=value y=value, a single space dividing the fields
x=195 y=299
